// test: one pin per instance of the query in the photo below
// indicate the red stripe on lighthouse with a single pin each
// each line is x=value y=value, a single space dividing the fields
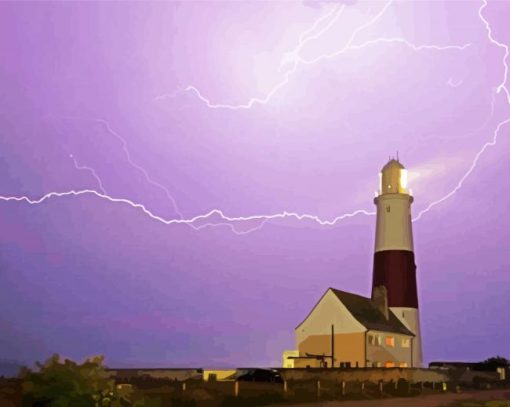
x=396 y=270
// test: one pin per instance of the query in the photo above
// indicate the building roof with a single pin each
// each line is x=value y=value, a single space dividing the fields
x=365 y=311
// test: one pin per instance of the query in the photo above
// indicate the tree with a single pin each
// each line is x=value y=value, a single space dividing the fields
x=66 y=383
x=492 y=364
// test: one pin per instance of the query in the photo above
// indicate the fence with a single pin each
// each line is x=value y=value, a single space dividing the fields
x=297 y=385
x=309 y=386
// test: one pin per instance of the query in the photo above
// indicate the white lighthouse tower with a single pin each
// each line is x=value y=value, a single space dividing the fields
x=394 y=265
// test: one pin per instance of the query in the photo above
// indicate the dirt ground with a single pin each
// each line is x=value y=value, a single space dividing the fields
x=434 y=400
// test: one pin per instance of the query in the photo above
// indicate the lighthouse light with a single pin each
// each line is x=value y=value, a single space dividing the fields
x=403 y=179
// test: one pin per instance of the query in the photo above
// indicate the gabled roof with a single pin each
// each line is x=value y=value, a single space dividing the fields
x=364 y=310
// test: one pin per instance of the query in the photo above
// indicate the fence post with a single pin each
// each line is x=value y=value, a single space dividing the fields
x=343 y=388
x=380 y=386
x=433 y=385
x=362 y=387
x=236 y=388
x=318 y=388
x=285 y=389
x=444 y=386
x=421 y=387
x=183 y=386
x=396 y=384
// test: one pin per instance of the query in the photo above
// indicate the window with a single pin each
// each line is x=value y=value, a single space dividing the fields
x=389 y=364
x=378 y=340
x=403 y=364
x=371 y=340
x=378 y=364
x=405 y=342
x=388 y=209
x=390 y=341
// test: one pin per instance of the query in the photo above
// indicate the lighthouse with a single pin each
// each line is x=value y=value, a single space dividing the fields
x=394 y=265
x=345 y=329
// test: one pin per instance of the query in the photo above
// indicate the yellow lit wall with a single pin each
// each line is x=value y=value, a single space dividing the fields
x=286 y=361
x=220 y=374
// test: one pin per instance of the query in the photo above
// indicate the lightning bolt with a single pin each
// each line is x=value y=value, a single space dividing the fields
x=189 y=221
x=138 y=167
x=501 y=88
x=225 y=220
x=297 y=59
x=293 y=56
x=196 y=222
x=408 y=43
x=91 y=170
x=288 y=57
x=469 y=171
x=502 y=85
x=170 y=95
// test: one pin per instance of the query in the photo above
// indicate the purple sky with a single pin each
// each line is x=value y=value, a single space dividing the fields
x=249 y=108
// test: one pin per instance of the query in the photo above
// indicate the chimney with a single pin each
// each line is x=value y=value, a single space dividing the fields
x=380 y=300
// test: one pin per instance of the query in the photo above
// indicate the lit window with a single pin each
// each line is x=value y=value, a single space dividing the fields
x=390 y=341
x=389 y=364
x=405 y=342
x=403 y=364
x=378 y=364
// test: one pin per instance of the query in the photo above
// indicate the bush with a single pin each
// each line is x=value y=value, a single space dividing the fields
x=65 y=383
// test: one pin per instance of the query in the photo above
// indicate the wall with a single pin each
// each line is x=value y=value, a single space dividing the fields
x=329 y=310
x=349 y=347
x=384 y=353
x=367 y=374
x=393 y=224
x=220 y=374
x=287 y=361
x=410 y=317
x=303 y=363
